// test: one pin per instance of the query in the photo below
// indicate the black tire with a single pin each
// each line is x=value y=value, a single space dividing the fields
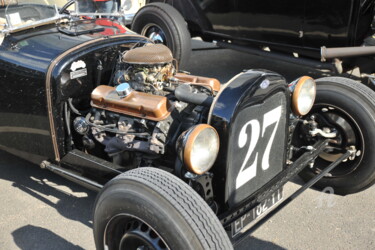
x=171 y=26
x=162 y=206
x=352 y=105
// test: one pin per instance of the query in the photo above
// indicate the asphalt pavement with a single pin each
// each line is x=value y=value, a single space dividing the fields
x=39 y=210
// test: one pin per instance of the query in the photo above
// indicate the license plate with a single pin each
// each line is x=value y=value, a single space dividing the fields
x=245 y=221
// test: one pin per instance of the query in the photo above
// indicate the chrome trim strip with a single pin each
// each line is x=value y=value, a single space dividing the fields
x=6 y=129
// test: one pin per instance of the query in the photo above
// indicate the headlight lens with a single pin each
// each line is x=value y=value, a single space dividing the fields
x=303 y=95
x=198 y=148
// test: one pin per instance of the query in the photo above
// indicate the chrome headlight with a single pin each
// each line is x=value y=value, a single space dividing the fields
x=304 y=93
x=198 y=147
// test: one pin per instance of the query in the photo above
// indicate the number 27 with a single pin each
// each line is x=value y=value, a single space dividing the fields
x=271 y=117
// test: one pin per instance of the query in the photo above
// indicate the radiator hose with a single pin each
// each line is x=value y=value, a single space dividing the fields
x=184 y=93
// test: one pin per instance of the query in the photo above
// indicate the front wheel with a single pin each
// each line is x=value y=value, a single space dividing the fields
x=164 y=24
x=148 y=208
x=348 y=108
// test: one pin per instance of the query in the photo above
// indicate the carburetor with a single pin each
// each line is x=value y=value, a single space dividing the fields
x=146 y=69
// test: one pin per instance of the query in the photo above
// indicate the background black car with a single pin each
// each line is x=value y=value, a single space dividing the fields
x=294 y=31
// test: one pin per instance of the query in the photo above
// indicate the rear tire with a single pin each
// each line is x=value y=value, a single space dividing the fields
x=350 y=107
x=164 y=24
x=147 y=206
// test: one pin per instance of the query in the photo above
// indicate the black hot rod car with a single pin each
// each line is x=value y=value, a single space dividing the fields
x=334 y=35
x=181 y=161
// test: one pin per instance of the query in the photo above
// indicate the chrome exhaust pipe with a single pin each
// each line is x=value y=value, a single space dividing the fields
x=329 y=53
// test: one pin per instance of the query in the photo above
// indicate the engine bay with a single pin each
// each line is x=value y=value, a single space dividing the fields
x=137 y=118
